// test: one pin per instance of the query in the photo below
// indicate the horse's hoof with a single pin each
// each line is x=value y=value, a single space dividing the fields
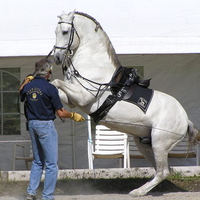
x=133 y=195
x=136 y=193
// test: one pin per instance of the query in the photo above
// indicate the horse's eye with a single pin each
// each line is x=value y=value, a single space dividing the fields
x=65 y=32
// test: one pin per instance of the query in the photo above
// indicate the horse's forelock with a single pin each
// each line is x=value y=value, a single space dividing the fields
x=67 y=17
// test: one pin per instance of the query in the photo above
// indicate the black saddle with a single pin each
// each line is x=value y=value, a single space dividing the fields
x=126 y=77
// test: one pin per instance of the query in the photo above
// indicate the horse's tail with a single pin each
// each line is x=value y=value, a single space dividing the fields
x=193 y=134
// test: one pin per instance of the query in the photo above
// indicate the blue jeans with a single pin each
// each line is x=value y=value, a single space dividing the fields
x=44 y=140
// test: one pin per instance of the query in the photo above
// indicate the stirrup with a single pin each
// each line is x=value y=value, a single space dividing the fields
x=145 y=140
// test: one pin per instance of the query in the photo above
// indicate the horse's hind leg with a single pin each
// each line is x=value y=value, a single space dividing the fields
x=161 y=145
x=145 y=150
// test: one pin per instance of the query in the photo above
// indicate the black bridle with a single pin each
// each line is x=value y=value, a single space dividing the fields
x=76 y=74
x=67 y=49
x=71 y=38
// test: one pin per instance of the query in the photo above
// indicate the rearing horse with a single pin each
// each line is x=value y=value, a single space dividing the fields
x=89 y=62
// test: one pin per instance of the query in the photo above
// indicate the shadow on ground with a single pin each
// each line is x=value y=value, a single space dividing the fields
x=99 y=186
x=120 y=186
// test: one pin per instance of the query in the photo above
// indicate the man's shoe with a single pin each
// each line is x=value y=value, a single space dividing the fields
x=30 y=197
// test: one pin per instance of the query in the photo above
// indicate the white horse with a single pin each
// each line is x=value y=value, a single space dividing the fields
x=89 y=62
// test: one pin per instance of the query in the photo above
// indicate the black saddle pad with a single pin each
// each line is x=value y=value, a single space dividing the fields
x=140 y=96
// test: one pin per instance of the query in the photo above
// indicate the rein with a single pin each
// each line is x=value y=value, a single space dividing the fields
x=119 y=83
x=78 y=75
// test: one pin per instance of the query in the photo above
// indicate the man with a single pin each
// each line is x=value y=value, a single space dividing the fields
x=42 y=102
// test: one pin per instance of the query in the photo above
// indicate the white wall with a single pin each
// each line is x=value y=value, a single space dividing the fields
x=174 y=74
x=134 y=26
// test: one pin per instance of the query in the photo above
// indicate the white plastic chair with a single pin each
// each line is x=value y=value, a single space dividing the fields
x=26 y=158
x=110 y=144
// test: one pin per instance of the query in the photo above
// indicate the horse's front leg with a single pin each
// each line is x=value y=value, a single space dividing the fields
x=63 y=95
x=76 y=95
x=64 y=98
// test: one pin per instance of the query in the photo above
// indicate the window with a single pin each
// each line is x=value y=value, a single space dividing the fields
x=9 y=115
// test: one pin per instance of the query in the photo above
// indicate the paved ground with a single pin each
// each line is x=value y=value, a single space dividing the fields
x=156 y=196
x=76 y=190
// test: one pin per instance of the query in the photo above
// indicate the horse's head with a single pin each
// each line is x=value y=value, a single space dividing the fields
x=67 y=38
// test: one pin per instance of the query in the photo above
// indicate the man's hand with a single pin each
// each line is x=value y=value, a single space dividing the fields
x=30 y=77
x=77 y=117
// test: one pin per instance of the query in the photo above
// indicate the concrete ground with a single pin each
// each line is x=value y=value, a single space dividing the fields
x=156 y=196
x=108 y=174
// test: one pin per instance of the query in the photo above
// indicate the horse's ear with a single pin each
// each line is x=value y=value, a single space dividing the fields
x=71 y=14
x=60 y=16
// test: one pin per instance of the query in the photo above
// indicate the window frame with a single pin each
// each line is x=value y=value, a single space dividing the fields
x=2 y=96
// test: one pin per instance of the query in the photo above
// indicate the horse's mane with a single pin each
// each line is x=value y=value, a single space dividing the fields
x=110 y=49
x=90 y=17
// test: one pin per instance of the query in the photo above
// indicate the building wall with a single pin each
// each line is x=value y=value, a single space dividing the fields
x=177 y=75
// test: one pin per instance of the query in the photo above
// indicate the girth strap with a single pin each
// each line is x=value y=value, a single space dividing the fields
x=104 y=108
x=112 y=99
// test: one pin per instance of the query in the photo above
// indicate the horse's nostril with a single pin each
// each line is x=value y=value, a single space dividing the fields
x=57 y=59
